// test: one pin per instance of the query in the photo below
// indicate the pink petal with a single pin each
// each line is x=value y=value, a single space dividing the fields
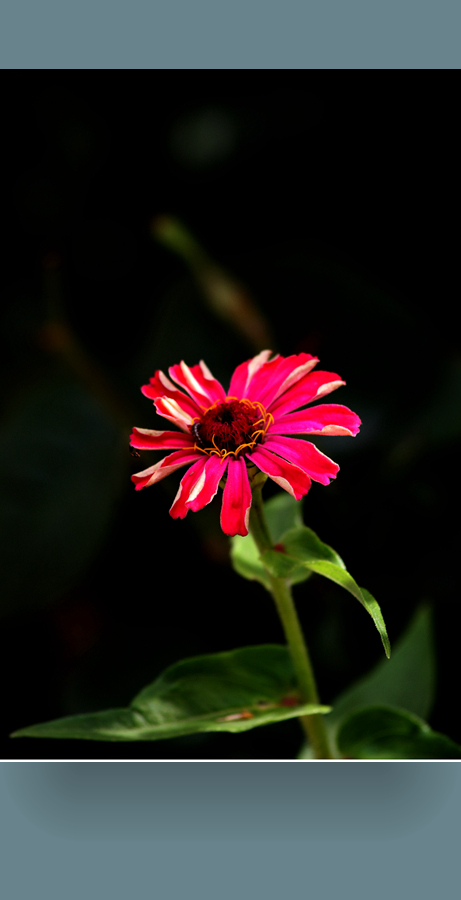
x=290 y=478
x=161 y=386
x=214 y=387
x=147 y=439
x=198 y=486
x=236 y=503
x=199 y=383
x=245 y=372
x=328 y=418
x=174 y=411
x=276 y=376
x=163 y=468
x=305 y=455
x=309 y=388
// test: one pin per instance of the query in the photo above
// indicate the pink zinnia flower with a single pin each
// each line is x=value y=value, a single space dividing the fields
x=222 y=434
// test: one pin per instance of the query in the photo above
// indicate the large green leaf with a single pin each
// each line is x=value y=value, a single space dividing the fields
x=386 y=732
x=232 y=691
x=301 y=545
x=283 y=513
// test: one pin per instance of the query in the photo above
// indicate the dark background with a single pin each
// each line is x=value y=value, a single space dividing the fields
x=334 y=199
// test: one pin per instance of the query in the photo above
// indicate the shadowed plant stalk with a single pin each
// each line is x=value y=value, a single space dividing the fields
x=224 y=295
x=313 y=725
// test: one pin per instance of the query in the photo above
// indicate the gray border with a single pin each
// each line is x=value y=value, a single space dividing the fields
x=215 y=34
x=262 y=838
x=207 y=829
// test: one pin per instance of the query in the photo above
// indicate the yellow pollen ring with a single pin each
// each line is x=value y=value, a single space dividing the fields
x=266 y=420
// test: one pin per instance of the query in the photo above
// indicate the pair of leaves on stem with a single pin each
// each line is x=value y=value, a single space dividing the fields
x=299 y=553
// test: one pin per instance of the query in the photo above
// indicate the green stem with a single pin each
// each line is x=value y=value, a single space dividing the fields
x=313 y=725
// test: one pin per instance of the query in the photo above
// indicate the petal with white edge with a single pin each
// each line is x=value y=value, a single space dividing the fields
x=245 y=372
x=164 y=467
x=309 y=388
x=199 y=383
x=198 y=486
x=278 y=375
x=148 y=439
x=327 y=418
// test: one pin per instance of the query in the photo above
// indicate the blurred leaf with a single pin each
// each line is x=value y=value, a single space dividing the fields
x=385 y=732
x=245 y=559
x=225 y=296
x=407 y=680
x=61 y=471
x=301 y=545
x=232 y=691
x=283 y=513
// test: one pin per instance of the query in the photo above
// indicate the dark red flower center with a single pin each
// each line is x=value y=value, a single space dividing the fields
x=230 y=427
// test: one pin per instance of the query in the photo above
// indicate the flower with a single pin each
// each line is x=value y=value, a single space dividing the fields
x=229 y=436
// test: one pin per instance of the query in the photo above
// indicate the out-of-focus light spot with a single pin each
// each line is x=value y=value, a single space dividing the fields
x=203 y=137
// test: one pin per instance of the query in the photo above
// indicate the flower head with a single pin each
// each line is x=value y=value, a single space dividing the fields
x=226 y=437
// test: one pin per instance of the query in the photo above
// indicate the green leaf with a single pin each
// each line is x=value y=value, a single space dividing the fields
x=301 y=545
x=232 y=691
x=386 y=732
x=246 y=560
x=283 y=513
x=407 y=680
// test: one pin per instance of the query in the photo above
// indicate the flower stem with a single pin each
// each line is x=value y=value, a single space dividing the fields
x=313 y=725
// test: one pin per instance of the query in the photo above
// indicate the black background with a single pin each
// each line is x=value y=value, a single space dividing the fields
x=334 y=198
